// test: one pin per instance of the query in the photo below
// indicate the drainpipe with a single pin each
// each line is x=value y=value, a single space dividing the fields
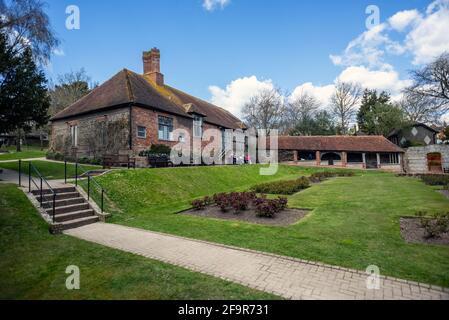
x=130 y=127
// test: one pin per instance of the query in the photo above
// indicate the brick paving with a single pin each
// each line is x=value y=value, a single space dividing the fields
x=287 y=277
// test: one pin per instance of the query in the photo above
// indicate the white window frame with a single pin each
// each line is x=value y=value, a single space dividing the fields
x=197 y=126
x=74 y=135
x=144 y=131
x=165 y=135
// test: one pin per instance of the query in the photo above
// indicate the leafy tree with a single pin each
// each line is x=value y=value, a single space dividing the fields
x=387 y=117
x=319 y=124
x=366 y=117
x=23 y=94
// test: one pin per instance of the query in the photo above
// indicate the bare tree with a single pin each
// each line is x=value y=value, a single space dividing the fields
x=265 y=110
x=27 y=25
x=344 y=103
x=419 y=108
x=431 y=87
x=71 y=87
x=301 y=110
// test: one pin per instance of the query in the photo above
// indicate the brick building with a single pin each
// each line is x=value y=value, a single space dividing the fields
x=130 y=112
x=362 y=152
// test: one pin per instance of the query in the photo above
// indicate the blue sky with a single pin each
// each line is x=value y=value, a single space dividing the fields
x=226 y=53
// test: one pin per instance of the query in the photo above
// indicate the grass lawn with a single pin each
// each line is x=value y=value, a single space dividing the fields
x=33 y=264
x=28 y=152
x=355 y=221
x=50 y=170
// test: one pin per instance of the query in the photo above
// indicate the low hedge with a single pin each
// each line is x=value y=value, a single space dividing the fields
x=435 y=179
x=288 y=187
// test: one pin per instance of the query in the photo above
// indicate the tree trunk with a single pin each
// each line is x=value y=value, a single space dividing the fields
x=18 y=140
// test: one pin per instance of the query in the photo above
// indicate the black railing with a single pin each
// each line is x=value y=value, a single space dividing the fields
x=41 y=180
x=91 y=182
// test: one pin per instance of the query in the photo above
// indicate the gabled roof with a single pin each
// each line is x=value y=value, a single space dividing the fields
x=338 y=143
x=417 y=124
x=127 y=87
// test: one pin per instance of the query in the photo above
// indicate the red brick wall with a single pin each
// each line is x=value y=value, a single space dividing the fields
x=149 y=119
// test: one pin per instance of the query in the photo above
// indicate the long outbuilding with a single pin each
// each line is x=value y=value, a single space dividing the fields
x=344 y=151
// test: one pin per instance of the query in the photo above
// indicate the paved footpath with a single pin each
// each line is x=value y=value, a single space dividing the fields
x=287 y=277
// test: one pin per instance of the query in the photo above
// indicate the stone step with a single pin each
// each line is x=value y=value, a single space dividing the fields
x=69 y=208
x=73 y=216
x=56 y=190
x=63 y=202
x=59 y=196
x=79 y=222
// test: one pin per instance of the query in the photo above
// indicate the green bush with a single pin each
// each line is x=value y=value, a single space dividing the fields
x=321 y=176
x=51 y=155
x=283 y=187
x=435 y=179
x=156 y=149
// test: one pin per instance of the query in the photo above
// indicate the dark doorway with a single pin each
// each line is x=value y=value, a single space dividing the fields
x=371 y=161
x=331 y=158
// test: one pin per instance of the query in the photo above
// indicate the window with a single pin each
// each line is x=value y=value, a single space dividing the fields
x=141 y=132
x=197 y=127
x=181 y=138
x=74 y=135
x=165 y=128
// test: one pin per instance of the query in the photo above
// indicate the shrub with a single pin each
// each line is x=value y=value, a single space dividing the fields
x=283 y=187
x=321 y=176
x=434 y=226
x=51 y=155
x=156 y=149
x=435 y=179
x=198 y=205
x=267 y=208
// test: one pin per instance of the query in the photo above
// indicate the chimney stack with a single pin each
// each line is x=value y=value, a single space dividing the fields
x=152 y=66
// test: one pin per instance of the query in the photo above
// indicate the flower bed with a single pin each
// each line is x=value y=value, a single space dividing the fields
x=247 y=206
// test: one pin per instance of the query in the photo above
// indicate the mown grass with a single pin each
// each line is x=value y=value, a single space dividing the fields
x=33 y=264
x=354 y=222
x=28 y=152
x=50 y=170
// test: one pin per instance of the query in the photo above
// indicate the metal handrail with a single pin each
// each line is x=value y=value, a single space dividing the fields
x=89 y=179
x=39 y=187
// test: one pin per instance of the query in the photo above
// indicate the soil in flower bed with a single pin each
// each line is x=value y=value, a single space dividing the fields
x=413 y=232
x=284 y=218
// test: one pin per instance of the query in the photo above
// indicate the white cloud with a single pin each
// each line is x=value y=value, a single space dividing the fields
x=238 y=92
x=368 y=49
x=387 y=80
x=321 y=93
x=403 y=19
x=430 y=37
x=211 y=5
x=423 y=35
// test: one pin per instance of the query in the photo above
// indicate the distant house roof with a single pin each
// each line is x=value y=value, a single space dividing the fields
x=418 y=124
x=338 y=143
x=127 y=87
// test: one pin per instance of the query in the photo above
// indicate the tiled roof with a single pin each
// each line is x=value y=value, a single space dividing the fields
x=127 y=87
x=338 y=143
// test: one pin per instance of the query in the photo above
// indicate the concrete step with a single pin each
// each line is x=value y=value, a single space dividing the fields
x=69 y=208
x=73 y=216
x=59 y=196
x=79 y=222
x=57 y=190
x=62 y=202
